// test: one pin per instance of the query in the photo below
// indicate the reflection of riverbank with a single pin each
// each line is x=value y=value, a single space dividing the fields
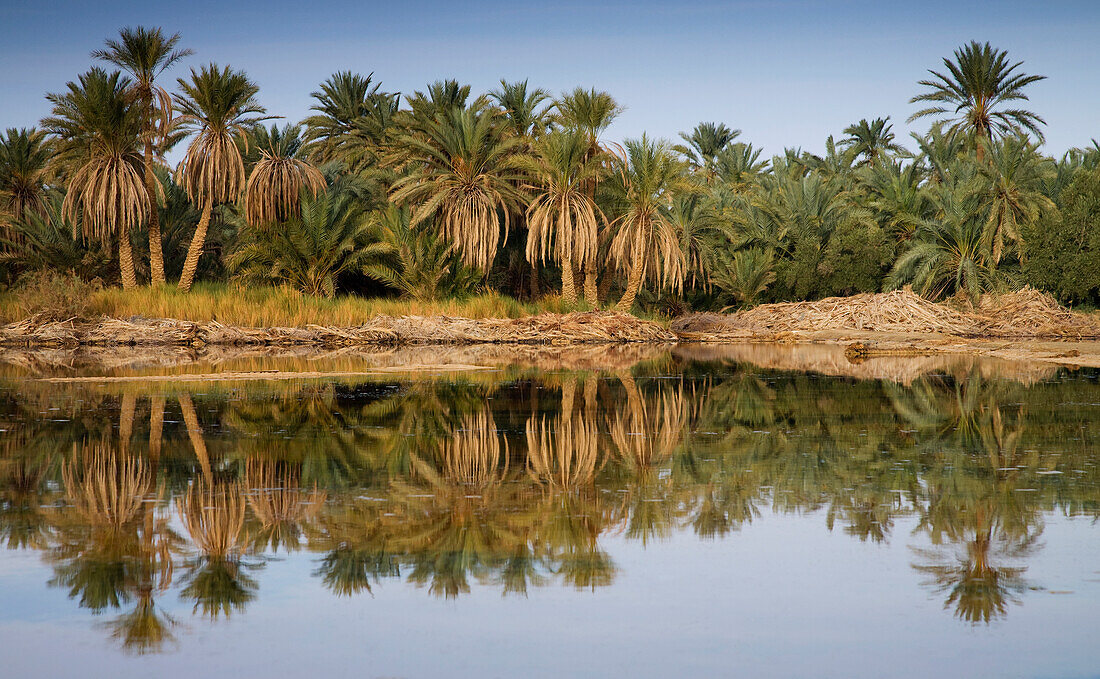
x=830 y=359
x=171 y=364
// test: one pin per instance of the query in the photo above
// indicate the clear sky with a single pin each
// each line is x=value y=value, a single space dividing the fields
x=787 y=73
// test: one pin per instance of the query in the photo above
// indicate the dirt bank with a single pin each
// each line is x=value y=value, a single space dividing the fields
x=548 y=329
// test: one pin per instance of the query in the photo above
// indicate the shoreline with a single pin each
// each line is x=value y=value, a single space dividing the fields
x=582 y=340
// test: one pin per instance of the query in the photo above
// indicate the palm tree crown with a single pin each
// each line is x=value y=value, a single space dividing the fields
x=972 y=92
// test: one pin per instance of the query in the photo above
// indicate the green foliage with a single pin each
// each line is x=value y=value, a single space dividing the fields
x=418 y=262
x=1063 y=248
x=310 y=252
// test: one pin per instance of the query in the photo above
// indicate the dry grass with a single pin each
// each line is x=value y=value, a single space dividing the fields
x=1025 y=313
x=270 y=306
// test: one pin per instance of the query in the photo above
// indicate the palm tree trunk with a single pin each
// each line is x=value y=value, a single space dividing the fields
x=604 y=288
x=533 y=282
x=126 y=261
x=156 y=253
x=591 y=293
x=633 y=284
x=194 y=251
x=568 y=288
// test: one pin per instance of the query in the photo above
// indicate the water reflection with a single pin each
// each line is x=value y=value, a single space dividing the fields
x=519 y=482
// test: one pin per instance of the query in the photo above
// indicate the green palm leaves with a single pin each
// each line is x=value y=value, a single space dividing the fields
x=310 y=252
x=973 y=91
x=24 y=158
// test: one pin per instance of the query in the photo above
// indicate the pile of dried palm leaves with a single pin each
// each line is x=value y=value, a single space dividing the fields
x=576 y=328
x=1026 y=313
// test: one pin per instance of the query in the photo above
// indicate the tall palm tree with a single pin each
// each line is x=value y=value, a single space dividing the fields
x=972 y=94
x=562 y=216
x=589 y=112
x=278 y=179
x=217 y=105
x=645 y=241
x=24 y=158
x=145 y=53
x=458 y=167
x=870 y=140
x=99 y=138
x=705 y=143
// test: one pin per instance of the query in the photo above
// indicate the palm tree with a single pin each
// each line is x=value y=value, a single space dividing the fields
x=1016 y=173
x=947 y=254
x=703 y=146
x=459 y=168
x=973 y=91
x=645 y=242
x=739 y=166
x=898 y=197
x=99 y=138
x=870 y=140
x=523 y=110
x=279 y=177
x=589 y=112
x=419 y=263
x=24 y=157
x=310 y=251
x=351 y=120
x=562 y=216
x=746 y=274
x=145 y=53
x=218 y=105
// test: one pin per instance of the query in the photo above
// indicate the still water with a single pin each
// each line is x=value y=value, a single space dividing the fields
x=713 y=512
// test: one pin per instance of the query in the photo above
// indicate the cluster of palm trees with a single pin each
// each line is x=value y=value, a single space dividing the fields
x=440 y=192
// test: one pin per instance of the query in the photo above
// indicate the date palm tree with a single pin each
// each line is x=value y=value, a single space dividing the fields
x=24 y=158
x=458 y=167
x=525 y=111
x=589 y=112
x=971 y=94
x=99 y=148
x=309 y=251
x=217 y=105
x=145 y=53
x=562 y=217
x=645 y=242
x=870 y=140
x=279 y=177
x=702 y=147
x=351 y=120
x=1016 y=173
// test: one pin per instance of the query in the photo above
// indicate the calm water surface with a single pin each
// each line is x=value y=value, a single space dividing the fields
x=699 y=513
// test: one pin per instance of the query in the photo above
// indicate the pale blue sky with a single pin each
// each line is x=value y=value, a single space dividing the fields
x=787 y=73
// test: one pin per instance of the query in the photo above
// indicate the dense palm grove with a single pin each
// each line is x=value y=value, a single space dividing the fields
x=443 y=193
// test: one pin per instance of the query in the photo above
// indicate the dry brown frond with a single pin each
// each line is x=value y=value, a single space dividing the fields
x=275 y=186
x=107 y=195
